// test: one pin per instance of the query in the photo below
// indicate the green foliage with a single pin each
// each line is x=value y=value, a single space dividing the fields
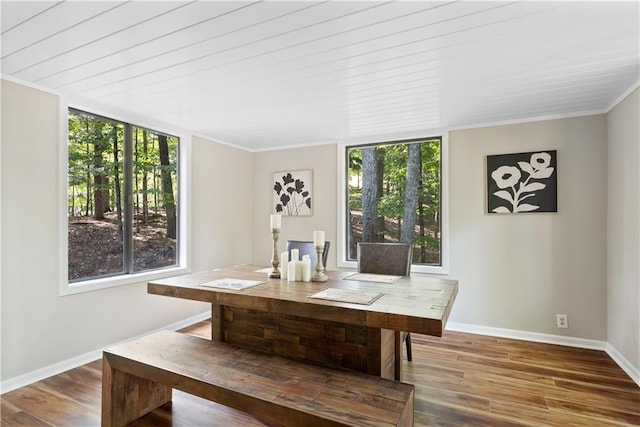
x=355 y=198
x=91 y=144
x=390 y=205
x=391 y=202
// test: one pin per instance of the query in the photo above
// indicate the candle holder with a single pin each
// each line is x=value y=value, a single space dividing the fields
x=275 y=261
x=319 y=276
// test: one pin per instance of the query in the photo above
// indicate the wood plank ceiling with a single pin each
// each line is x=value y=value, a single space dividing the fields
x=264 y=75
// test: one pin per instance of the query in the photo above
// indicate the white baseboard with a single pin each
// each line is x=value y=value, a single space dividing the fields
x=617 y=357
x=527 y=336
x=622 y=361
x=74 y=362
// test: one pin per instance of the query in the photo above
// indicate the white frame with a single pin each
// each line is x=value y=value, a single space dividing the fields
x=341 y=228
x=183 y=263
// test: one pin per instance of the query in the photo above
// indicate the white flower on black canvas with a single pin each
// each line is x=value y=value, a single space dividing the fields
x=517 y=184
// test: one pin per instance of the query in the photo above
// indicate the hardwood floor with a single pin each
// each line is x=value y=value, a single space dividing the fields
x=460 y=379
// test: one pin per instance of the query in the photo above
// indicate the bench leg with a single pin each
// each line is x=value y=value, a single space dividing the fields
x=126 y=397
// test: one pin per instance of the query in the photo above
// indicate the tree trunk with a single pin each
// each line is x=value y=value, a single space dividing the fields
x=351 y=254
x=145 y=177
x=107 y=194
x=88 y=163
x=167 y=186
x=370 y=194
x=116 y=183
x=73 y=200
x=136 y=162
x=99 y=180
x=380 y=225
x=423 y=242
x=411 y=195
x=100 y=191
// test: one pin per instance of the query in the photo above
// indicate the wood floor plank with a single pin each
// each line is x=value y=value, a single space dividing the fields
x=615 y=402
x=52 y=408
x=23 y=419
x=533 y=367
x=188 y=411
x=7 y=408
x=613 y=391
x=596 y=412
x=536 y=417
x=461 y=379
x=82 y=384
x=460 y=415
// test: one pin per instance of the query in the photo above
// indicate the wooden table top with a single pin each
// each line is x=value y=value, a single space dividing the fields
x=411 y=304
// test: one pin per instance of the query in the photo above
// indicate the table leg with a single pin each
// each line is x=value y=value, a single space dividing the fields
x=217 y=324
x=398 y=356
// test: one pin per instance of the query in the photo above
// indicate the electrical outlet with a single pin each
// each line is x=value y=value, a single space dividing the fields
x=562 y=321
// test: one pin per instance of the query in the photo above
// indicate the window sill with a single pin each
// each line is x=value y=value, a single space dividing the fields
x=67 y=288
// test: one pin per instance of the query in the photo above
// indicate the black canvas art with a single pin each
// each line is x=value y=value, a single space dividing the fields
x=522 y=182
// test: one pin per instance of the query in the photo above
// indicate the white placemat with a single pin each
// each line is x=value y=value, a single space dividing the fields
x=231 y=283
x=347 y=295
x=379 y=278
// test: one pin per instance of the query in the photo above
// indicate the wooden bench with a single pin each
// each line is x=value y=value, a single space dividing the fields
x=138 y=377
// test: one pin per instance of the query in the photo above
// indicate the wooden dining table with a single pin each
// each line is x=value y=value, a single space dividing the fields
x=358 y=326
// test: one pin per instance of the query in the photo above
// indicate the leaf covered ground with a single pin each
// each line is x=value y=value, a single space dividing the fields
x=95 y=248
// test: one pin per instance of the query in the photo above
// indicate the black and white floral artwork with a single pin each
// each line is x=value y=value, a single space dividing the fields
x=522 y=182
x=292 y=193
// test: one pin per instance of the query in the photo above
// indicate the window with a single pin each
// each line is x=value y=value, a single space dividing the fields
x=122 y=198
x=394 y=194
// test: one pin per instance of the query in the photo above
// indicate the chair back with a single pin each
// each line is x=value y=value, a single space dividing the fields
x=307 y=248
x=385 y=258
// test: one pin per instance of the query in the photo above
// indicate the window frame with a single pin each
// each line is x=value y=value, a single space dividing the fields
x=182 y=266
x=343 y=208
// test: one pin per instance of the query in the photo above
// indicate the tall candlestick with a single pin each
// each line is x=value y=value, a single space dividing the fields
x=318 y=238
x=319 y=276
x=276 y=221
x=275 y=273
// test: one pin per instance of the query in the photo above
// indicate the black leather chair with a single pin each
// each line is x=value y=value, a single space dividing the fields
x=387 y=258
x=307 y=248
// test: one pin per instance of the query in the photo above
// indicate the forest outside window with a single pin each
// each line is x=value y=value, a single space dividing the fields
x=121 y=198
x=394 y=193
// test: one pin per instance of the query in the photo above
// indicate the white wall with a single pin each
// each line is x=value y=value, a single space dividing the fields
x=41 y=328
x=515 y=271
x=222 y=205
x=518 y=271
x=322 y=160
x=623 y=229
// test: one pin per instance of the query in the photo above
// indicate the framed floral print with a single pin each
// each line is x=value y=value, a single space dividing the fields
x=522 y=182
x=292 y=193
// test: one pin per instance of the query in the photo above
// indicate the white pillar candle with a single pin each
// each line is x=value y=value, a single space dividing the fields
x=306 y=268
x=299 y=271
x=318 y=238
x=276 y=221
x=291 y=271
x=295 y=254
x=284 y=264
